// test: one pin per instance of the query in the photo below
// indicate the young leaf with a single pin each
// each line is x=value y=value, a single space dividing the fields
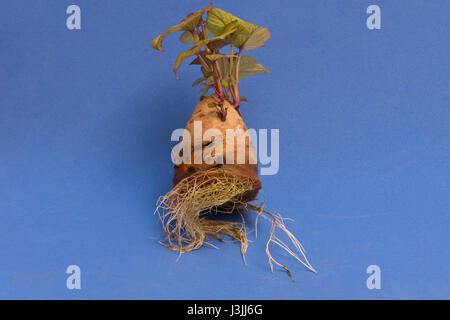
x=229 y=29
x=224 y=66
x=248 y=67
x=183 y=56
x=189 y=37
x=217 y=44
x=217 y=20
x=243 y=33
x=257 y=38
x=187 y=24
x=196 y=82
x=195 y=50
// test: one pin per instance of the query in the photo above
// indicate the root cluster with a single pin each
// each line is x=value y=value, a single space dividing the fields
x=184 y=212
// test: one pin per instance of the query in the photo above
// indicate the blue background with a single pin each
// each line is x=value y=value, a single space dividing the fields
x=85 y=123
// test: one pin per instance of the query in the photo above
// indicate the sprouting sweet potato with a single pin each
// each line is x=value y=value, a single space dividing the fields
x=226 y=179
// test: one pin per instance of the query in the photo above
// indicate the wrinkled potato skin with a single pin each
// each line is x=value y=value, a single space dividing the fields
x=211 y=120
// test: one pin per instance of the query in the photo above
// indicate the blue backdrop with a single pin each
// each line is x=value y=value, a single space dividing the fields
x=85 y=123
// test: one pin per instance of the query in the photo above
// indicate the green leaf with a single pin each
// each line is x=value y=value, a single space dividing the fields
x=217 y=20
x=196 y=49
x=187 y=24
x=189 y=37
x=217 y=44
x=224 y=65
x=248 y=67
x=183 y=56
x=257 y=38
x=243 y=33
x=228 y=30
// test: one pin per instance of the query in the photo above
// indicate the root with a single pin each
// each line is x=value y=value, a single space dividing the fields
x=183 y=208
x=278 y=221
x=182 y=212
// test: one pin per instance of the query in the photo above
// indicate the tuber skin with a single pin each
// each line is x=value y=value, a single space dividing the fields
x=211 y=120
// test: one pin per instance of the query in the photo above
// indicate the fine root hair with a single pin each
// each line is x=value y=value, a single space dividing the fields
x=278 y=222
x=183 y=212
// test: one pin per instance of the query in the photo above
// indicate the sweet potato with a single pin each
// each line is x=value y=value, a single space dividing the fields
x=227 y=181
